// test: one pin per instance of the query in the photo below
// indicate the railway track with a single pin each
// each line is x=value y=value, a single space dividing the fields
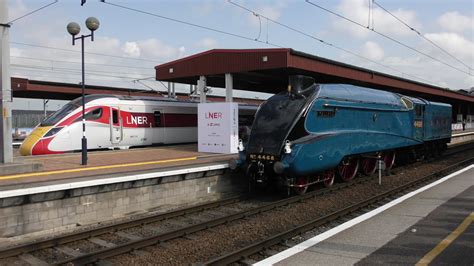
x=249 y=250
x=80 y=235
x=159 y=238
x=185 y=230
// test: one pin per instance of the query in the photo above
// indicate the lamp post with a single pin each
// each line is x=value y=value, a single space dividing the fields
x=73 y=28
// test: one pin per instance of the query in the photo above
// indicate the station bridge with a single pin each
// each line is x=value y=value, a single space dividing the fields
x=267 y=70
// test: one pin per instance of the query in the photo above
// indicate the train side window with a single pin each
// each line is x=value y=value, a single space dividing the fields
x=115 y=119
x=157 y=115
x=94 y=114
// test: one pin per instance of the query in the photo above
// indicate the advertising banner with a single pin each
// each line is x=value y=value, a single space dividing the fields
x=218 y=127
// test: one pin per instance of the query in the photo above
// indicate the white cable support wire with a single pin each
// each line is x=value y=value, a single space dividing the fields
x=330 y=44
x=31 y=12
x=388 y=37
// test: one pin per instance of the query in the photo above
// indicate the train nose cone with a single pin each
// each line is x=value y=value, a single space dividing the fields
x=32 y=139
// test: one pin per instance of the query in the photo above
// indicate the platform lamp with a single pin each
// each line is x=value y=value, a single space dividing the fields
x=73 y=28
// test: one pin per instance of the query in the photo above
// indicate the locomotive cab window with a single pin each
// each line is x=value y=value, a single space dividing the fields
x=94 y=114
x=157 y=115
x=115 y=118
x=407 y=102
x=418 y=110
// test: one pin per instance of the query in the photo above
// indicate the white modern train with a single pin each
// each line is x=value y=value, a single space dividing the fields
x=120 y=122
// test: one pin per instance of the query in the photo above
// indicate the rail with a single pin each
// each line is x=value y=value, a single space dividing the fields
x=276 y=239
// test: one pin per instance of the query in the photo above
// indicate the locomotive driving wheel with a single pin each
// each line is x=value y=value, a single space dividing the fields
x=347 y=170
x=389 y=159
x=328 y=177
x=369 y=165
x=301 y=185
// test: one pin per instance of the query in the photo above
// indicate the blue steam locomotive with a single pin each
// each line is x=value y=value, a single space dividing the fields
x=312 y=133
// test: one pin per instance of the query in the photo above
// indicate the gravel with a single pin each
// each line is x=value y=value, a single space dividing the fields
x=50 y=255
x=212 y=243
x=13 y=262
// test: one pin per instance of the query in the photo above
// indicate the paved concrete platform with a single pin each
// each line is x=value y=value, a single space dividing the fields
x=19 y=167
x=402 y=234
x=109 y=163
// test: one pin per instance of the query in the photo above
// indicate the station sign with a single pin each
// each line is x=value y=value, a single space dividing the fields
x=218 y=127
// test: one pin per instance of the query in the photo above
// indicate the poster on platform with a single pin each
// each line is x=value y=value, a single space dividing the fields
x=218 y=127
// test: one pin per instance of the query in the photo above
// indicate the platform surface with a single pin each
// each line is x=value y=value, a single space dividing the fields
x=67 y=167
x=403 y=234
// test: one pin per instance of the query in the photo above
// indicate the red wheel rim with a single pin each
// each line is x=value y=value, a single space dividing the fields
x=389 y=160
x=303 y=182
x=328 y=177
x=348 y=169
x=369 y=166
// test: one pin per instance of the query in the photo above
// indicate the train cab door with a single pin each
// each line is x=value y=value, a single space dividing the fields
x=418 y=122
x=158 y=127
x=116 y=125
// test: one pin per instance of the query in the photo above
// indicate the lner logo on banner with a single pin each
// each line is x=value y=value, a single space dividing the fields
x=218 y=127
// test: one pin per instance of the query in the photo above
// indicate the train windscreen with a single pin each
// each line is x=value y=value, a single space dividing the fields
x=275 y=119
x=61 y=113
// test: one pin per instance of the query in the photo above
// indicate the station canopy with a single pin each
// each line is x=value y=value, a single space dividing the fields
x=267 y=70
x=36 y=89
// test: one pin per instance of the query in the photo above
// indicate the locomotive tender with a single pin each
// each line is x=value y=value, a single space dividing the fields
x=311 y=133
x=120 y=122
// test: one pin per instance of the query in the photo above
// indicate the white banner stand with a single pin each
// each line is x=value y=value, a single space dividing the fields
x=218 y=127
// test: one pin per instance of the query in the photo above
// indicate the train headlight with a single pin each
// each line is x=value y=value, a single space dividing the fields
x=287 y=148
x=240 y=147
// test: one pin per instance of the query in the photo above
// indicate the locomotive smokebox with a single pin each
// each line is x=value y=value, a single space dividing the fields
x=298 y=83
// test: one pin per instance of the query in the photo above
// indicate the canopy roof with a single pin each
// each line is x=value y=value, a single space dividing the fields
x=267 y=70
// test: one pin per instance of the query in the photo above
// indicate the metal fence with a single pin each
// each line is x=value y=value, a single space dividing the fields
x=27 y=118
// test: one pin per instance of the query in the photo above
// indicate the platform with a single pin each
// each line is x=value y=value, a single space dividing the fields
x=434 y=224
x=113 y=185
x=104 y=163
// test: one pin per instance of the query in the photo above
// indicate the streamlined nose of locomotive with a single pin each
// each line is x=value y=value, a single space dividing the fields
x=29 y=143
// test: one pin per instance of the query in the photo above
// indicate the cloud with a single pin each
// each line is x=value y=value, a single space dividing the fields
x=373 y=51
x=16 y=9
x=204 y=7
x=181 y=51
x=455 y=44
x=358 y=10
x=155 y=48
x=100 y=70
x=131 y=49
x=453 y=21
x=272 y=11
x=207 y=43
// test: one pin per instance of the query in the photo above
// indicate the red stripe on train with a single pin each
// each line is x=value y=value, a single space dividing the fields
x=135 y=119
x=41 y=147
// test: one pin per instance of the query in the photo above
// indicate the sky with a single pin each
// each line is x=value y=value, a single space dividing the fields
x=130 y=43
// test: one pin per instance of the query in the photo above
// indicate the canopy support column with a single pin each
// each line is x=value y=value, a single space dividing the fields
x=229 y=87
x=202 y=88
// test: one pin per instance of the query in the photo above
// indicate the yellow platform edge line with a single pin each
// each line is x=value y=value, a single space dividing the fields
x=430 y=256
x=102 y=167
